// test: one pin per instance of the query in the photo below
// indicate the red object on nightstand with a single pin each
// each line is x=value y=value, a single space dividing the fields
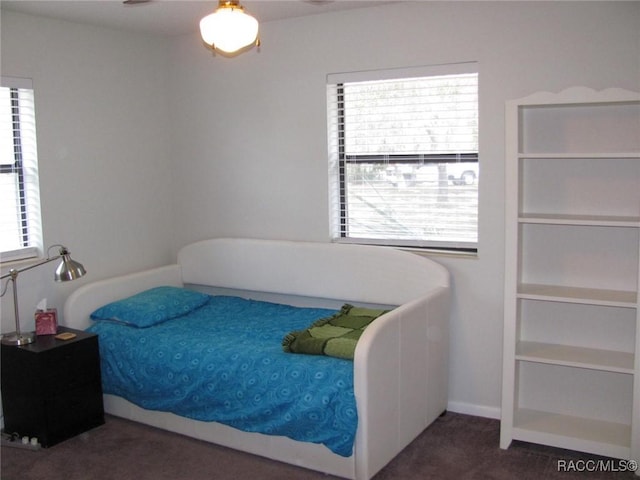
x=47 y=322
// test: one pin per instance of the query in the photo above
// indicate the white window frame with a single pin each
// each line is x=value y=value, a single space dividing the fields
x=24 y=165
x=339 y=158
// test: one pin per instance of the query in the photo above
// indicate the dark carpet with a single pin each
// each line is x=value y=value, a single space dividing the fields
x=456 y=446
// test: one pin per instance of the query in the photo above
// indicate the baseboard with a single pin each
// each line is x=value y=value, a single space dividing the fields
x=473 y=409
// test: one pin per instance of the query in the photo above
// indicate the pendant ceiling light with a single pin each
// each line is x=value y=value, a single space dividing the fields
x=229 y=29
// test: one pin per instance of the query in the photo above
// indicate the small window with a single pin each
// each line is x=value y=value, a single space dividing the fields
x=20 y=222
x=403 y=157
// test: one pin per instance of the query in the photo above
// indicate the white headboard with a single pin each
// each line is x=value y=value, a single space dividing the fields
x=371 y=274
x=356 y=273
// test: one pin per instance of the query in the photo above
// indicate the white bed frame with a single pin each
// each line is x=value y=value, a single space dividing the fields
x=400 y=364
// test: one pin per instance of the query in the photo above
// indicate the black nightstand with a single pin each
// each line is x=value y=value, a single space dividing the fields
x=51 y=389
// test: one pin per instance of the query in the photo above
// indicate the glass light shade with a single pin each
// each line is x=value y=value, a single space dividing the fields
x=229 y=29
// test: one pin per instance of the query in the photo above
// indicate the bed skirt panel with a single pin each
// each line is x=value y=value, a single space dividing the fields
x=307 y=455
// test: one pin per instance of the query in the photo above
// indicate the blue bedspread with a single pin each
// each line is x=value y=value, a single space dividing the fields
x=224 y=362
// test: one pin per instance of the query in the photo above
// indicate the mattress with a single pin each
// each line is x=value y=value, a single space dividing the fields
x=224 y=362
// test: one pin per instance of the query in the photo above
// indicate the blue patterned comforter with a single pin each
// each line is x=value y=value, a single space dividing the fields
x=224 y=362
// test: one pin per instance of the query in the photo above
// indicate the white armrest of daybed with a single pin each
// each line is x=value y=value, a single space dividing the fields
x=399 y=382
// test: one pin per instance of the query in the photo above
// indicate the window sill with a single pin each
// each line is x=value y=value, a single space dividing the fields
x=422 y=251
x=20 y=257
x=434 y=252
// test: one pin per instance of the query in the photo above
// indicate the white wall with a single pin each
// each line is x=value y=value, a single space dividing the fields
x=102 y=121
x=253 y=129
x=213 y=146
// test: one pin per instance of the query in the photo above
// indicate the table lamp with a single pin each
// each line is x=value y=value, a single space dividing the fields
x=67 y=270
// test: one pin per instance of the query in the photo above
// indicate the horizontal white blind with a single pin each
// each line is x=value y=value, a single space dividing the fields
x=20 y=221
x=413 y=116
x=404 y=159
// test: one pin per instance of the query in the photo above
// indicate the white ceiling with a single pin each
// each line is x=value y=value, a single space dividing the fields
x=170 y=17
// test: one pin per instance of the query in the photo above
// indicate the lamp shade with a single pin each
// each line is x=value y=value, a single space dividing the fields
x=229 y=29
x=68 y=269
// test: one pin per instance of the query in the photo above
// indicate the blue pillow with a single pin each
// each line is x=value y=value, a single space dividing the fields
x=151 y=307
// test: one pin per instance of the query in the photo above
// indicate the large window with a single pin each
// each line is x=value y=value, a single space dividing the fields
x=403 y=147
x=20 y=223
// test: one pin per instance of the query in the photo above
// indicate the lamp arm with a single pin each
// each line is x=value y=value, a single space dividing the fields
x=14 y=272
x=68 y=270
x=13 y=276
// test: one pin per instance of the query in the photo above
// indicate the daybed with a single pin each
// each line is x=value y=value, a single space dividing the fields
x=400 y=363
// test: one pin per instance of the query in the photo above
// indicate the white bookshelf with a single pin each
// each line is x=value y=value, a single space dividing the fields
x=565 y=431
x=591 y=296
x=571 y=360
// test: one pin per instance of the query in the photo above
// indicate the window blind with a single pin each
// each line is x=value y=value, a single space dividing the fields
x=20 y=221
x=403 y=157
